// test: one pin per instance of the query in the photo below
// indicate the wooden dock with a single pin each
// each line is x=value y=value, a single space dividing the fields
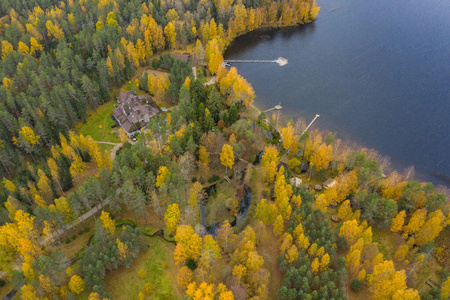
x=280 y=60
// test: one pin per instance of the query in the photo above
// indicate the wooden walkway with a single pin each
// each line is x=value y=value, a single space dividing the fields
x=280 y=60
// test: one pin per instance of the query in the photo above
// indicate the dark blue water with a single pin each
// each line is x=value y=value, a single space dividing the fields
x=377 y=72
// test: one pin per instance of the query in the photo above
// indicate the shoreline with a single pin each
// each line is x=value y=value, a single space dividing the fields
x=355 y=146
x=437 y=178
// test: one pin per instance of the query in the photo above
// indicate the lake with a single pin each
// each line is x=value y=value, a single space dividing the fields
x=377 y=72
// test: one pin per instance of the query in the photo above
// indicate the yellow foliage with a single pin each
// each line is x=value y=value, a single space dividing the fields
x=23 y=48
x=122 y=249
x=202 y=292
x=213 y=56
x=172 y=217
x=303 y=241
x=7 y=84
x=289 y=138
x=142 y=273
x=227 y=156
x=385 y=281
x=416 y=221
x=76 y=284
x=351 y=231
x=64 y=208
x=270 y=171
x=401 y=253
x=445 y=291
x=163 y=172
x=254 y=261
x=203 y=155
x=54 y=30
x=407 y=294
x=398 y=221
x=362 y=274
x=28 y=134
x=148 y=289
x=27 y=270
x=286 y=242
x=321 y=203
x=184 y=277
x=7 y=48
x=322 y=157
x=278 y=226
x=297 y=200
x=345 y=210
x=189 y=244
x=324 y=261
x=432 y=227
x=292 y=254
x=266 y=212
x=108 y=223
x=240 y=271
x=28 y=292
x=171 y=34
x=312 y=250
x=315 y=266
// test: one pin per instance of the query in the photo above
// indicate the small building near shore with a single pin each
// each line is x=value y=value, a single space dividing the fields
x=133 y=112
x=295 y=181
x=329 y=183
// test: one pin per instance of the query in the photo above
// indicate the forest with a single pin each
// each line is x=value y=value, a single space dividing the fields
x=215 y=200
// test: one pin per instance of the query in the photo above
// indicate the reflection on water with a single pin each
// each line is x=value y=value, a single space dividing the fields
x=375 y=73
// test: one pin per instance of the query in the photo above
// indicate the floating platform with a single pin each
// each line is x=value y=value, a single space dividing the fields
x=281 y=61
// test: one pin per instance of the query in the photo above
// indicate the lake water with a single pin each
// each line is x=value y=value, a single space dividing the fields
x=377 y=72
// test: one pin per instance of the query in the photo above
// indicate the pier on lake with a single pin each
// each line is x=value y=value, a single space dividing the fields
x=280 y=60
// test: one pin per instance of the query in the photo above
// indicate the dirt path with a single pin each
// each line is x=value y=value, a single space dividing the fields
x=58 y=233
x=78 y=220
x=114 y=149
x=108 y=143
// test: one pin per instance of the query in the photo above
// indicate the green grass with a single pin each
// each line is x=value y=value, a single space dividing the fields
x=157 y=261
x=106 y=147
x=388 y=242
x=131 y=85
x=99 y=124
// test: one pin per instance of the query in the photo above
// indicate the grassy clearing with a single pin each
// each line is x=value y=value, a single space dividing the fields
x=428 y=270
x=98 y=125
x=157 y=261
x=106 y=147
x=361 y=294
x=388 y=242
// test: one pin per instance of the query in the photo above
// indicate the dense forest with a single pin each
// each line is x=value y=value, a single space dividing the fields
x=220 y=178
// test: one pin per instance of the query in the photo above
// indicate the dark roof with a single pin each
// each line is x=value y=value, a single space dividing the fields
x=123 y=96
x=134 y=111
x=304 y=166
x=183 y=57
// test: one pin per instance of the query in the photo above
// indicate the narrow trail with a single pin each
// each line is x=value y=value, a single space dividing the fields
x=74 y=223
